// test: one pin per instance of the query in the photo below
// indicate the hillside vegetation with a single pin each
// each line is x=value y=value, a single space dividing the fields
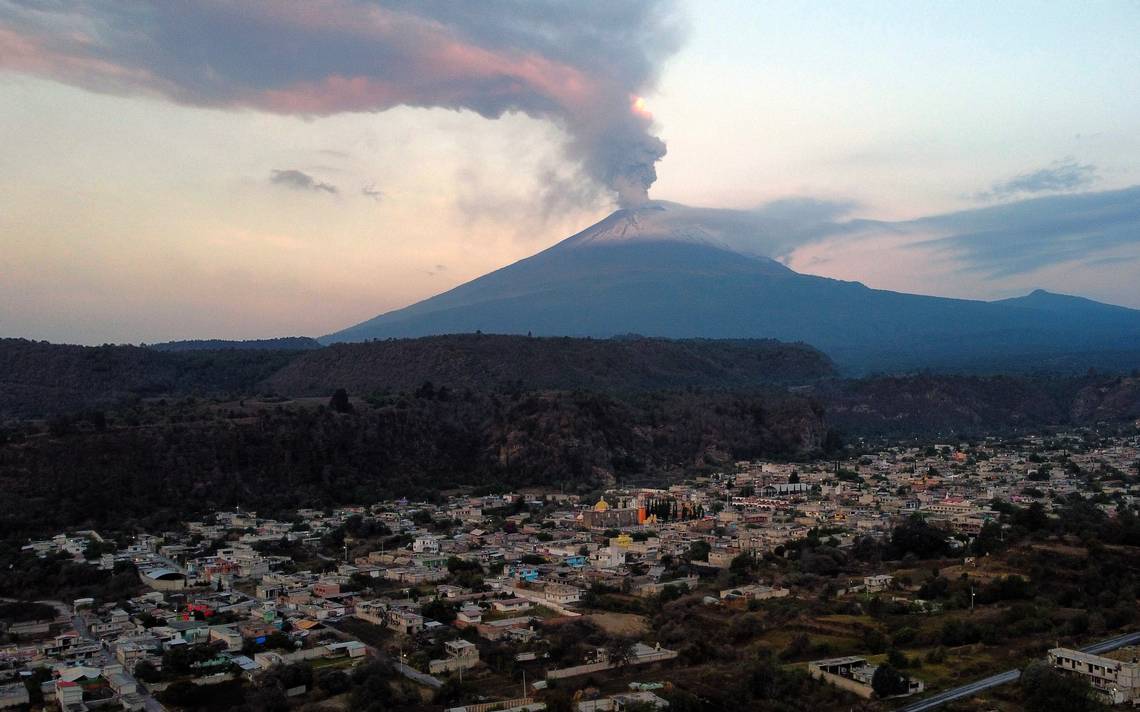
x=40 y=379
x=285 y=343
x=166 y=459
x=926 y=403
x=482 y=362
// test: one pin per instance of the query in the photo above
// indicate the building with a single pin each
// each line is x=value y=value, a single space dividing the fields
x=603 y=516
x=405 y=622
x=163 y=579
x=461 y=655
x=13 y=695
x=1115 y=681
x=754 y=592
x=853 y=674
x=879 y=582
x=69 y=694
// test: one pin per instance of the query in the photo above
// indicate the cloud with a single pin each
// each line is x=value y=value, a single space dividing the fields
x=580 y=65
x=299 y=180
x=371 y=191
x=996 y=242
x=1027 y=235
x=774 y=229
x=1060 y=176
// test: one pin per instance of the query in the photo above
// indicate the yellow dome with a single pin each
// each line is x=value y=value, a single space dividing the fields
x=601 y=506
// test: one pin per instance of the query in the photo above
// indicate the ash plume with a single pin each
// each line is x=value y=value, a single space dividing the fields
x=581 y=65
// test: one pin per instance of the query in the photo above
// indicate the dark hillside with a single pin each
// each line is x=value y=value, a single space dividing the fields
x=156 y=460
x=905 y=405
x=40 y=379
x=486 y=362
x=286 y=343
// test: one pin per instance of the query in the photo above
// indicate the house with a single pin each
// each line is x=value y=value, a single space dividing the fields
x=461 y=655
x=13 y=695
x=854 y=674
x=470 y=614
x=879 y=582
x=511 y=605
x=372 y=611
x=722 y=558
x=754 y=592
x=227 y=635
x=426 y=544
x=122 y=684
x=561 y=593
x=654 y=588
x=350 y=648
x=405 y=622
x=69 y=694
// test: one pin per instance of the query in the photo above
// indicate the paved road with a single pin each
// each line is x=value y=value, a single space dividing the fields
x=1009 y=676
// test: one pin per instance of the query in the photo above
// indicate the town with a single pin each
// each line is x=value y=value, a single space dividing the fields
x=877 y=579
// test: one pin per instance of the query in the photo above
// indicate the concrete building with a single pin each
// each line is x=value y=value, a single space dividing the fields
x=461 y=655
x=13 y=695
x=1115 y=681
x=853 y=674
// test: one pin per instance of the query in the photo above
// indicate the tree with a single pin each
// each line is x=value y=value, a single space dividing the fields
x=915 y=536
x=619 y=651
x=147 y=672
x=339 y=401
x=334 y=682
x=888 y=682
x=698 y=551
x=1043 y=688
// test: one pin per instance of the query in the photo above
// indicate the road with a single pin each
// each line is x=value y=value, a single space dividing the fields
x=973 y=688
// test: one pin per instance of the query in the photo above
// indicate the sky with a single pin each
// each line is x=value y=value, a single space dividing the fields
x=259 y=169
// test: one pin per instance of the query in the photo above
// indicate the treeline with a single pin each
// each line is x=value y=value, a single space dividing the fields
x=39 y=379
x=934 y=403
x=155 y=463
x=495 y=362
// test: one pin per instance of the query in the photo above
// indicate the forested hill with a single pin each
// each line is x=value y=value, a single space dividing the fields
x=945 y=404
x=484 y=362
x=159 y=461
x=41 y=379
x=285 y=343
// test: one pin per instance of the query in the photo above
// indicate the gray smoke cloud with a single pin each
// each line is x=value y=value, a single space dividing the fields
x=1060 y=176
x=579 y=64
x=299 y=180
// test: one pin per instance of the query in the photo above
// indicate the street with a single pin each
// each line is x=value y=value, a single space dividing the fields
x=1008 y=676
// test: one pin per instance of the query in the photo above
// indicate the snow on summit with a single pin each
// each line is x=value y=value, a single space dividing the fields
x=664 y=221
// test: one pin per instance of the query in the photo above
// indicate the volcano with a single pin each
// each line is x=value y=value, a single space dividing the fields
x=667 y=270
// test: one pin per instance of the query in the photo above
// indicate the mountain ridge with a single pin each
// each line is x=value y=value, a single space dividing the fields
x=675 y=272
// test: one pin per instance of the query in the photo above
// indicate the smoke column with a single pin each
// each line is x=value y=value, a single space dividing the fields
x=578 y=64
